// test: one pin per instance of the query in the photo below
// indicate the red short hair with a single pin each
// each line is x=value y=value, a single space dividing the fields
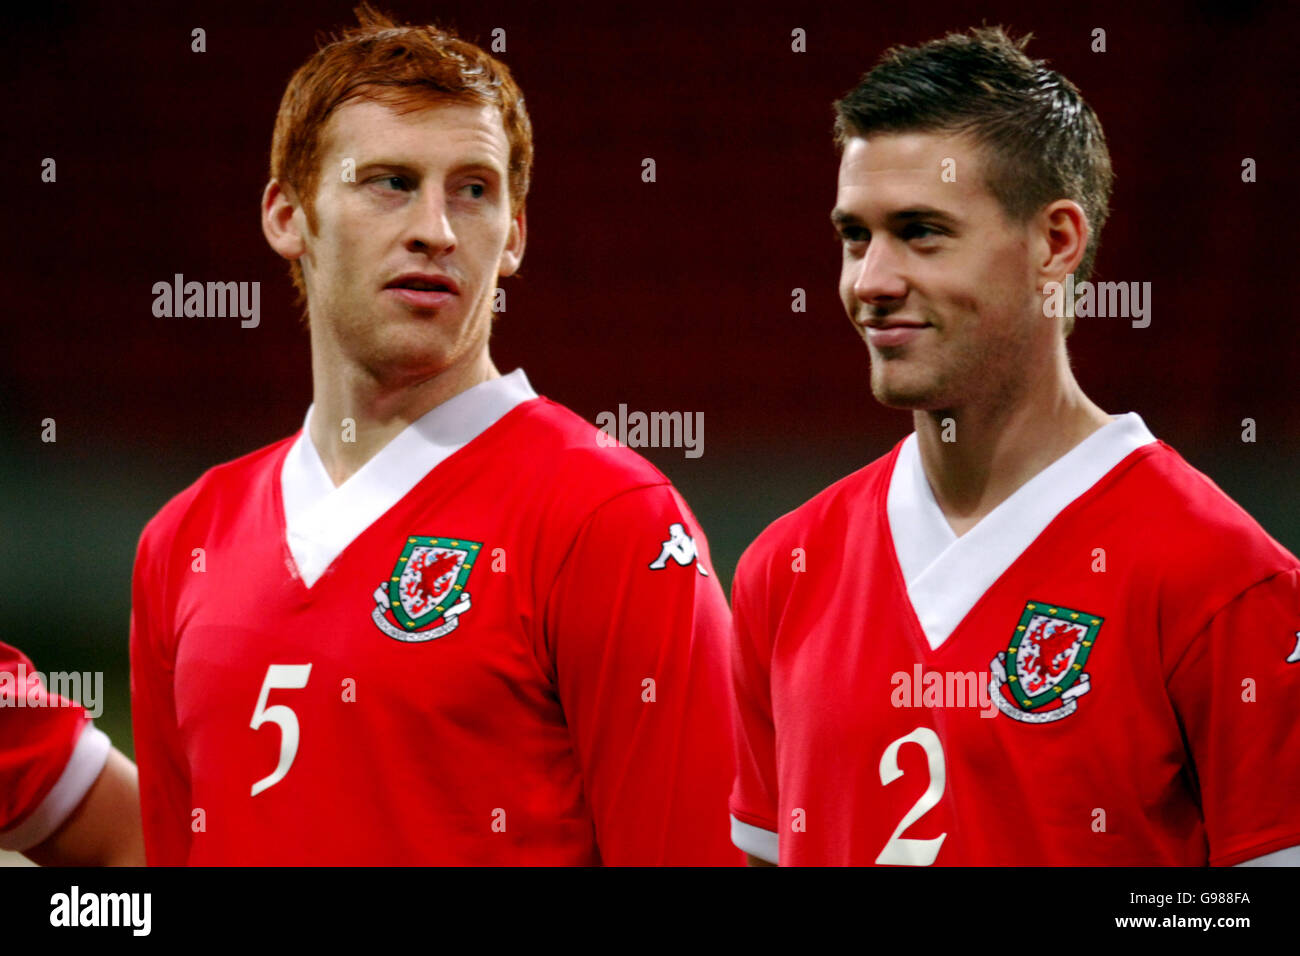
x=406 y=67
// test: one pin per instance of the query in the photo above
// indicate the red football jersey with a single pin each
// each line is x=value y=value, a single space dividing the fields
x=50 y=754
x=522 y=659
x=1104 y=670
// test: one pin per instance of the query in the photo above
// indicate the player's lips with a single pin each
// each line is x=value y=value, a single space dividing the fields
x=423 y=290
x=890 y=333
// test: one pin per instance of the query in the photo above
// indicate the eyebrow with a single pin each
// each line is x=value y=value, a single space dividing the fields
x=484 y=165
x=841 y=217
x=472 y=165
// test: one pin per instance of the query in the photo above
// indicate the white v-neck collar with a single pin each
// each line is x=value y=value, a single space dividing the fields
x=321 y=520
x=946 y=575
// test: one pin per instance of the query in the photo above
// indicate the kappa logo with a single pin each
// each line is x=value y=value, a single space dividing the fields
x=680 y=546
x=1039 y=678
x=425 y=595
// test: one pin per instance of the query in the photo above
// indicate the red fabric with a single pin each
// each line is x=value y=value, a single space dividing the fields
x=36 y=738
x=519 y=737
x=1162 y=762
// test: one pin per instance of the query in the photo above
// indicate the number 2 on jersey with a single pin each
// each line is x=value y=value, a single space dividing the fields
x=907 y=851
x=280 y=677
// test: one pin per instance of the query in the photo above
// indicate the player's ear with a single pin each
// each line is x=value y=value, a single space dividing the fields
x=513 y=254
x=280 y=224
x=1060 y=239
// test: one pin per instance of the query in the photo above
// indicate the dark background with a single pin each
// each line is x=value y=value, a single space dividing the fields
x=666 y=296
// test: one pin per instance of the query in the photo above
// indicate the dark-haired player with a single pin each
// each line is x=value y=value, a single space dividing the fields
x=1031 y=633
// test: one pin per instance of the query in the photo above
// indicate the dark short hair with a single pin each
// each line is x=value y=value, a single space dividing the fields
x=1041 y=140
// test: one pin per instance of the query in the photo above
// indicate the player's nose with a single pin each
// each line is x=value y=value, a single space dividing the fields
x=429 y=228
x=878 y=277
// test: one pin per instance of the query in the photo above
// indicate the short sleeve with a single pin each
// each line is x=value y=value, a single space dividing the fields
x=1237 y=693
x=638 y=629
x=50 y=754
x=754 y=790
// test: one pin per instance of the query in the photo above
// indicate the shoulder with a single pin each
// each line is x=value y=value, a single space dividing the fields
x=580 y=463
x=224 y=485
x=1195 y=517
x=592 y=501
x=1202 y=548
x=846 y=503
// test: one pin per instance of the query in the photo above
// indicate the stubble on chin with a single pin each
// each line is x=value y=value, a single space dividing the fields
x=897 y=386
x=989 y=373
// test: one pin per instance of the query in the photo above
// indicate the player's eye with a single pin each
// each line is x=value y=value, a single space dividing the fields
x=476 y=190
x=392 y=181
x=852 y=234
x=920 y=230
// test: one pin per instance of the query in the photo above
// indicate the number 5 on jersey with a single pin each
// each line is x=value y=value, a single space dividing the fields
x=280 y=677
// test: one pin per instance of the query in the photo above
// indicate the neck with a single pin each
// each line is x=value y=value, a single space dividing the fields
x=379 y=409
x=977 y=455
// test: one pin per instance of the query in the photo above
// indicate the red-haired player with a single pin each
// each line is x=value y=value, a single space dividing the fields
x=426 y=628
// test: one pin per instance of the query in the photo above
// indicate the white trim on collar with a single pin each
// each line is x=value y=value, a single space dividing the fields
x=322 y=520
x=945 y=574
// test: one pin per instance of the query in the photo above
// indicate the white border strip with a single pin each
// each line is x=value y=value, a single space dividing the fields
x=945 y=592
x=83 y=769
x=1288 y=857
x=321 y=521
x=756 y=841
